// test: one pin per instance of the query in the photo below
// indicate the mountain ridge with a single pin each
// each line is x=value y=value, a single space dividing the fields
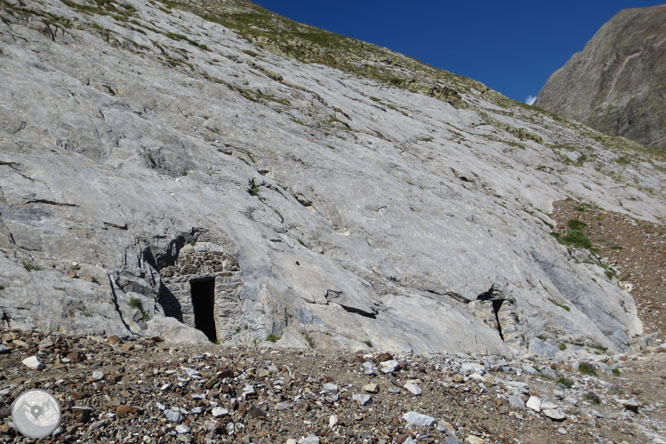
x=616 y=83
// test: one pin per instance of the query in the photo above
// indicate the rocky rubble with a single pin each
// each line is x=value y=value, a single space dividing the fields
x=128 y=390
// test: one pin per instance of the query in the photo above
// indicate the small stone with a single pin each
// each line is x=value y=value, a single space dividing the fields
x=81 y=414
x=263 y=373
x=33 y=363
x=555 y=414
x=458 y=378
x=182 y=429
x=413 y=388
x=310 y=439
x=417 y=419
x=329 y=388
x=219 y=411
x=125 y=410
x=516 y=402
x=4 y=350
x=534 y=403
x=630 y=404
x=332 y=421
x=173 y=415
x=368 y=368
x=282 y=406
x=98 y=375
x=371 y=388
x=451 y=440
x=256 y=412
x=362 y=399
x=474 y=440
x=389 y=366
x=393 y=390
x=562 y=431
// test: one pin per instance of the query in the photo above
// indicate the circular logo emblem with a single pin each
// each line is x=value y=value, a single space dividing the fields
x=36 y=413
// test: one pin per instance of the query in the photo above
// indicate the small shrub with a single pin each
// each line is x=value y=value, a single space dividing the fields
x=253 y=188
x=272 y=338
x=562 y=346
x=2 y=287
x=184 y=173
x=564 y=382
x=616 y=372
x=576 y=224
x=309 y=340
x=238 y=330
x=576 y=239
x=580 y=209
x=29 y=266
x=592 y=397
x=137 y=305
x=368 y=343
x=587 y=369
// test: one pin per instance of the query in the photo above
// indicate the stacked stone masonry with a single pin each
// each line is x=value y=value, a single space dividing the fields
x=205 y=261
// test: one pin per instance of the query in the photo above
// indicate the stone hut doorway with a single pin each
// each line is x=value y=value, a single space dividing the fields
x=203 y=303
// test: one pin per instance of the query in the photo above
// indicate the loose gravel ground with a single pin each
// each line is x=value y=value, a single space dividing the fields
x=636 y=249
x=124 y=390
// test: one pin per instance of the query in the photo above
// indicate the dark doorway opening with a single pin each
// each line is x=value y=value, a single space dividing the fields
x=203 y=302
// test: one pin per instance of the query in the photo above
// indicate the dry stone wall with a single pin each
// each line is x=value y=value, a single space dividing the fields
x=199 y=262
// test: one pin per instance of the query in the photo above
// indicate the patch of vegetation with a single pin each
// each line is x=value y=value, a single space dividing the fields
x=136 y=304
x=587 y=369
x=562 y=346
x=562 y=306
x=368 y=343
x=29 y=266
x=576 y=224
x=573 y=238
x=309 y=340
x=616 y=372
x=272 y=338
x=592 y=397
x=238 y=330
x=2 y=287
x=564 y=382
x=253 y=188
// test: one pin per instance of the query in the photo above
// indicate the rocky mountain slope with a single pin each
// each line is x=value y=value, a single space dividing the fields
x=617 y=84
x=169 y=165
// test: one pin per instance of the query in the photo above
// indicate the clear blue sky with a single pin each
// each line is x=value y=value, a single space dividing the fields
x=511 y=46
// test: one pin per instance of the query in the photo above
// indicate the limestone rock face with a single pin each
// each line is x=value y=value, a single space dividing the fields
x=165 y=172
x=617 y=84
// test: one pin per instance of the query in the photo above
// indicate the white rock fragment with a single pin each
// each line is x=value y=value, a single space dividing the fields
x=362 y=398
x=219 y=411
x=417 y=419
x=555 y=414
x=98 y=375
x=173 y=415
x=310 y=439
x=182 y=429
x=389 y=366
x=332 y=421
x=329 y=388
x=534 y=403
x=33 y=363
x=413 y=388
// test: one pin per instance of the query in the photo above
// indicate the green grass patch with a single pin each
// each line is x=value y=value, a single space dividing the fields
x=562 y=346
x=587 y=369
x=29 y=266
x=564 y=382
x=272 y=338
x=253 y=188
x=576 y=224
x=136 y=304
x=368 y=343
